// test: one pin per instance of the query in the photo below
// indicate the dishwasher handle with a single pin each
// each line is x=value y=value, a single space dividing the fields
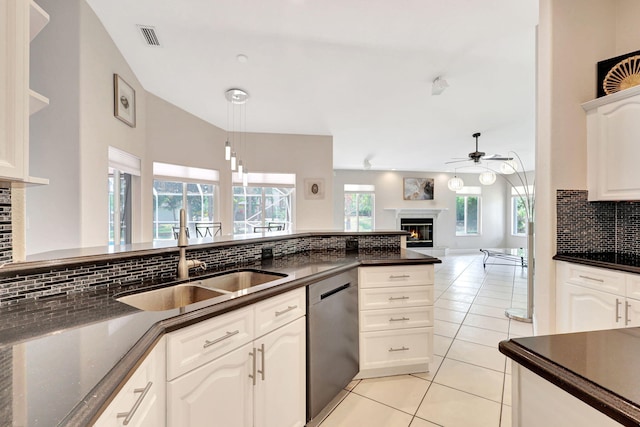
x=334 y=291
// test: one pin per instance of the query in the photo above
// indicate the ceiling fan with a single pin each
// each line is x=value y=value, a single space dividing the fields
x=476 y=156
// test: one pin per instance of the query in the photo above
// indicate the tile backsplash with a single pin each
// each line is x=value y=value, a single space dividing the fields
x=584 y=226
x=6 y=239
x=100 y=275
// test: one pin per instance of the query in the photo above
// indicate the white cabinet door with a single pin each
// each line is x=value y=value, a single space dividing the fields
x=141 y=402
x=219 y=393
x=280 y=393
x=583 y=309
x=613 y=130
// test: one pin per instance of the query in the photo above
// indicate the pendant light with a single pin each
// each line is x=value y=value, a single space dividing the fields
x=509 y=167
x=235 y=97
x=455 y=183
x=487 y=178
x=245 y=178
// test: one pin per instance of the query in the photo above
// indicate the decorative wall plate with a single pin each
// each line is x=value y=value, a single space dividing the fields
x=623 y=75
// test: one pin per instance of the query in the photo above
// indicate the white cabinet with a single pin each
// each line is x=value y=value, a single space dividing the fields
x=141 y=401
x=396 y=319
x=223 y=370
x=590 y=298
x=20 y=22
x=613 y=131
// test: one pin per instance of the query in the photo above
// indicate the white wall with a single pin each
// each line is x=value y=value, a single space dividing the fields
x=175 y=136
x=74 y=60
x=573 y=36
x=389 y=195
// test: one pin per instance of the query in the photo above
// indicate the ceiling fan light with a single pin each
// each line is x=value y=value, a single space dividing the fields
x=508 y=167
x=455 y=184
x=487 y=178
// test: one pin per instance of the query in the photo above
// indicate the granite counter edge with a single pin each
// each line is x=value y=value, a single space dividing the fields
x=592 y=394
x=596 y=263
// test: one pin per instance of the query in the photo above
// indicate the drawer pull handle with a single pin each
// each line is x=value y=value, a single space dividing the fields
x=128 y=415
x=401 y=276
x=396 y=298
x=208 y=343
x=253 y=376
x=403 y=348
x=288 y=309
x=591 y=278
x=398 y=320
x=261 y=371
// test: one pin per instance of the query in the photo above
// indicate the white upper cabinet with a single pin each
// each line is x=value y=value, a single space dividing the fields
x=20 y=22
x=613 y=146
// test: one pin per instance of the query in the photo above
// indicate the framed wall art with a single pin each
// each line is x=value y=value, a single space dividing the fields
x=619 y=73
x=418 y=189
x=314 y=188
x=124 y=101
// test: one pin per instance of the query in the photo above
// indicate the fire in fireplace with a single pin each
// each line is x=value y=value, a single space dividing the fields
x=420 y=231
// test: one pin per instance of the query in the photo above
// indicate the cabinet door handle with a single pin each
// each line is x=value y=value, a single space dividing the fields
x=398 y=320
x=208 y=343
x=403 y=348
x=618 y=317
x=627 y=306
x=397 y=298
x=128 y=415
x=253 y=369
x=400 y=276
x=261 y=350
x=288 y=309
x=591 y=278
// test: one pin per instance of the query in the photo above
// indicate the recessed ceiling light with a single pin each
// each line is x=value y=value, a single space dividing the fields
x=242 y=58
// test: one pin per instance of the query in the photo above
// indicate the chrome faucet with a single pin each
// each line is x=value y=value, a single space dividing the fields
x=183 y=264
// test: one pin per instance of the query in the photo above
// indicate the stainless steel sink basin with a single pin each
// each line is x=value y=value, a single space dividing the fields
x=238 y=280
x=170 y=297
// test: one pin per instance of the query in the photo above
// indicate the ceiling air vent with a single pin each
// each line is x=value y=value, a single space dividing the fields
x=149 y=35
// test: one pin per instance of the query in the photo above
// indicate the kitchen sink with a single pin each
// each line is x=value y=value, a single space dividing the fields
x=238 y=280
x=170 y=297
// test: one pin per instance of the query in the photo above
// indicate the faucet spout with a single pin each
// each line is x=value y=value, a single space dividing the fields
x=183 y=264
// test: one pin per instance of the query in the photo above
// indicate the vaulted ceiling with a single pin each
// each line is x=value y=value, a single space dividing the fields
x=359 y=70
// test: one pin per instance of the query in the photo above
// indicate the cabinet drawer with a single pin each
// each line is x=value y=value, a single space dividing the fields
x=196 y=345
x=401 y=296
x=633 y=286
x=279 y=310
x=407 y=275
x=595 y=278
x=142 y=397
x=382 y=349
x=396 y=318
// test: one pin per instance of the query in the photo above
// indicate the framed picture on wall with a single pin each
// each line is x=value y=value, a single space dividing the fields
x=124 y=101
x=314 y=188
x=418 y=189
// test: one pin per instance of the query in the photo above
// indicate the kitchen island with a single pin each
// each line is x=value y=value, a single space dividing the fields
x=585 y=378
x=64 y=356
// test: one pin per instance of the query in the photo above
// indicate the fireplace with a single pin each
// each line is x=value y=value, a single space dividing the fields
x=421 y=232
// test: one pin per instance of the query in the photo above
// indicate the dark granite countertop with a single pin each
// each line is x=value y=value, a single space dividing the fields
x=63 y=357
x=600 y=367
x=611 y=260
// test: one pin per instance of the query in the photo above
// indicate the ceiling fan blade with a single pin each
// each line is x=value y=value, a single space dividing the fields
x=457 y=161
x=497 y=157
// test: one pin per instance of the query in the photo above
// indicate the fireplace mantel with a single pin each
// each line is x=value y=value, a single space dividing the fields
x=413 y=212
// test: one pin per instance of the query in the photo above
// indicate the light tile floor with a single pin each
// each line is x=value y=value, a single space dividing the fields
x=469 y=383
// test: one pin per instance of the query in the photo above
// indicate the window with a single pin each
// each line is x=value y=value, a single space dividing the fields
x=468 y=211
x=519 y=210
x=179 y=187
x=359 y=207
x=266 y=201
x=124 y=168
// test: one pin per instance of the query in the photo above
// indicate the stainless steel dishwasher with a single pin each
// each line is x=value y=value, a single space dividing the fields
x=332 y=338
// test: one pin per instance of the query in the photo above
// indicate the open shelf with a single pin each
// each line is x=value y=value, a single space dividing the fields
x=36 y=102
x=38 y=18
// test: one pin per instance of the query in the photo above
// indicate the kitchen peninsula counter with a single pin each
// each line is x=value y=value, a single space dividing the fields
x=65 y=355
x=599 y=368
x=629 y=263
